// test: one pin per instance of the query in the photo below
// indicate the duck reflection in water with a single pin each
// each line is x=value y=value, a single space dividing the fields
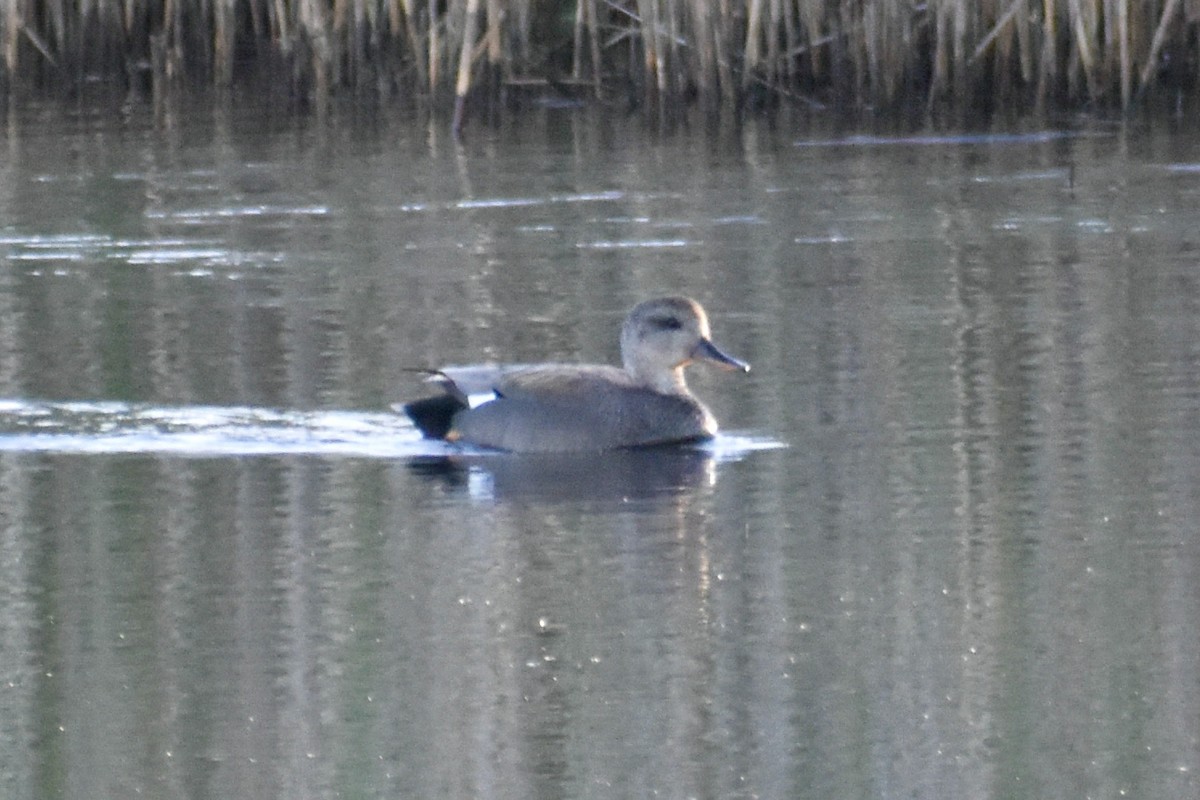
x=576 y=408
x=618 y=476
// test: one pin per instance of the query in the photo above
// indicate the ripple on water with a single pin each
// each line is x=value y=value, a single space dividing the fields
x=114 y=427
x=80 y=248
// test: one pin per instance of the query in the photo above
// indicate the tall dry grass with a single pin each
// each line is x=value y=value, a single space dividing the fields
x=660 y=54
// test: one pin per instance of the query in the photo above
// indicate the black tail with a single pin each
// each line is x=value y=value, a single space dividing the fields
x=433 y=416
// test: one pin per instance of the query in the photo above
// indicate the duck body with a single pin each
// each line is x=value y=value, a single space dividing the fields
x=548 y=408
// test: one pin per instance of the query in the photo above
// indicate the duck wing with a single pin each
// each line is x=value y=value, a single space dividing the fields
x=573 y=408
x=470 y=386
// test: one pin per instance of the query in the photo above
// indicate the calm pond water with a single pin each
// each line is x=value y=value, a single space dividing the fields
x=228 y=570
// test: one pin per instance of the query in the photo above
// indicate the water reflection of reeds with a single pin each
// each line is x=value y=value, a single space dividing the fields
x=661 y=54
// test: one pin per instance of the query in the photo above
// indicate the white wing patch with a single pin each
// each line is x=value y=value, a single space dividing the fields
x=479 y=398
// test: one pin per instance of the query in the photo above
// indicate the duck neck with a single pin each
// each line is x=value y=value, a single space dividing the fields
x=664 y=381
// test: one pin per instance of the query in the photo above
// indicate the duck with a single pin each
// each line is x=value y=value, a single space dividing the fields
x=565 y=408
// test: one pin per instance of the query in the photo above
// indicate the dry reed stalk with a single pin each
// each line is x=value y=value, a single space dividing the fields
x=897 y=22
x=56 y=16
x=1048 y=74
x=257 y=25
x=665 y=61
x=753 y=50
x=163 y=49
x=39 y=45
x=337 y=27
x=791 y=40
x=338 y=17
x=960 y=47
x=707 y=79
x=1123 y=46
x=998 y=56
x=1025 y=42
x=577 y=54
x=593 y=27
x=870 y=29
x=1160 y=36
x=1083 y=24
x=940 y=63
x=773 y=67
x=283 y=30
x=853 y=51
x=395 y=23
x=316 y=28
x=812 y=19
x=717 y=38
x=435 y=46
x=495 y=17
x=418 y=53
x=1001 y=24
x=223 y=43
x=518 y=40
x=650 y=59
x=466 y=53
x=12 y=31
x=999 y=41
x=673 y=72
x=883 y=26
x=662 y=61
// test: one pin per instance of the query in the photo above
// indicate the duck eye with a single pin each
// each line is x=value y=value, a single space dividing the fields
x=668 y=323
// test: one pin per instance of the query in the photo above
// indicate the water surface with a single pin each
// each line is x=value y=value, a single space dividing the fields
x=229 y=570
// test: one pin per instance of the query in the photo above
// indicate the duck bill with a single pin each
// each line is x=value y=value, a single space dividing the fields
x=709 y=352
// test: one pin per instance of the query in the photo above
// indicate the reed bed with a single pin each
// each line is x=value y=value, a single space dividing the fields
x=661 y=55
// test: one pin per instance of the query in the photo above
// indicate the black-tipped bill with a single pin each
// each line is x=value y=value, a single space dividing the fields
x=709 y=352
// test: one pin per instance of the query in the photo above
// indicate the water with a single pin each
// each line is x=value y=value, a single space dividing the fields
x=228 y=570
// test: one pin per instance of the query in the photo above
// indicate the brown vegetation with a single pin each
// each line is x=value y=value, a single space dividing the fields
x=660 y=54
